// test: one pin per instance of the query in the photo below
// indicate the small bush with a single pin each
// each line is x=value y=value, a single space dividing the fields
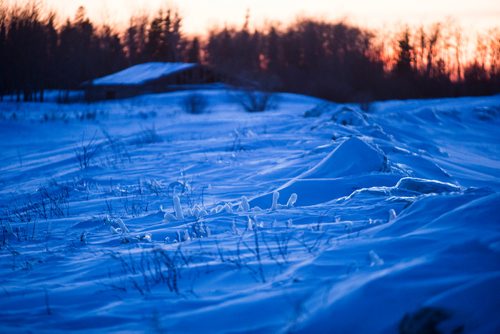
x=85 y=152
x=255 y=101
x=194 y=104
x=148 y=136
x=115 y=150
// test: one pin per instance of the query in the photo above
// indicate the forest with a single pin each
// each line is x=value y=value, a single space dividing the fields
x=338 y=61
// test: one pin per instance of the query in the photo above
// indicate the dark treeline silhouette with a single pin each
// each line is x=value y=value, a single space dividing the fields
x=35 y=55
x=336 y=61
x=342 y=62
x=333 y=61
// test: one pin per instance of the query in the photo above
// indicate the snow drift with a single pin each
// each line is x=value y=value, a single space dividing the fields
x=312 y=217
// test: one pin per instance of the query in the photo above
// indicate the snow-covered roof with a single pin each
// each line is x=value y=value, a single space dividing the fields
x=141 y=73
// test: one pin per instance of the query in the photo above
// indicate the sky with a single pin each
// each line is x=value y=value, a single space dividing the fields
x=200 y=15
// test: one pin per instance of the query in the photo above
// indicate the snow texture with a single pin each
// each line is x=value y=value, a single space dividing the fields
x=134 y=216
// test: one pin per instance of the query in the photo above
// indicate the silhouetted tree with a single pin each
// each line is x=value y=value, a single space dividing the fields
x=153 y=45
x=272 y=51
x=131 y=43
x=172 y=39
x=193 y=52
x=405 y=56
x=3 y=54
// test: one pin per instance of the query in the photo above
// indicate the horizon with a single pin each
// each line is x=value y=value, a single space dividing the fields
x=446 y=54
x=199 y=16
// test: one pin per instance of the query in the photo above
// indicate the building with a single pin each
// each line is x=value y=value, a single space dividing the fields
x=155 y=77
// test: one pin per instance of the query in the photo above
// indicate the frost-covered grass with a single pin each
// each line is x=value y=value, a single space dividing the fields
x=309 y=217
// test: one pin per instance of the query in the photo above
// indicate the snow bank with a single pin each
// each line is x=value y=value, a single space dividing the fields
x=352 y=157
x=347 y=168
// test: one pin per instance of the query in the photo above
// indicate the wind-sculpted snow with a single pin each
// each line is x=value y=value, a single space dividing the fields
x=422 y=186
x=313 y=217
x=352 y=157
x=352 y=164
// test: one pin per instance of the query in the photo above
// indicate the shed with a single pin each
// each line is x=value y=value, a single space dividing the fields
x=154 y=77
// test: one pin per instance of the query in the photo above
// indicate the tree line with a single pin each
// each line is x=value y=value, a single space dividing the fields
x=332 y=60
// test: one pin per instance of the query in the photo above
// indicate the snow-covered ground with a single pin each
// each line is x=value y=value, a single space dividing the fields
x=313 y=217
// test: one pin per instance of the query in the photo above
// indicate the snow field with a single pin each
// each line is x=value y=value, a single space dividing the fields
x=311 y=217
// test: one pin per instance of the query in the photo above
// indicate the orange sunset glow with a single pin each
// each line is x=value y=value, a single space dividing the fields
x=200 y=15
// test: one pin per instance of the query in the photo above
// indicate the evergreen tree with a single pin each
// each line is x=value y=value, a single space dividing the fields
x=154 y=41
x=3 y=54
x=405 y=56
x=131 y=44
x=193 y=53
